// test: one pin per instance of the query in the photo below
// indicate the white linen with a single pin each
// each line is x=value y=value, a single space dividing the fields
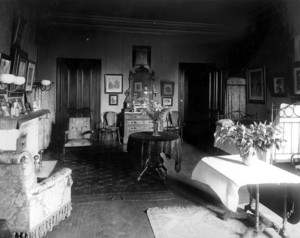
x=226 y=174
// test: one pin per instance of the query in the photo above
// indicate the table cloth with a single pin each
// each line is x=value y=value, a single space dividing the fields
x=143 y=145
x=226 y=174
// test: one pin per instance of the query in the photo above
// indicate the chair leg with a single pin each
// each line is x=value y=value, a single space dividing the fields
x=119 y=136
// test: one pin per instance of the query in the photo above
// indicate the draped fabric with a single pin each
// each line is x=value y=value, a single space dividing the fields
x=144 y=146
x=235 y=95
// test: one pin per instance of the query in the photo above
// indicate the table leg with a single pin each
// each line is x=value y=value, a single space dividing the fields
x=283 y=232
x=144 y=170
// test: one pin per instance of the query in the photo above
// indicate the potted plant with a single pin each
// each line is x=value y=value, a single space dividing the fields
x=256 y=139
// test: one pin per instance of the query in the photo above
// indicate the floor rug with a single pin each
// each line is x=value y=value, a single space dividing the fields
x=46 y=168
x=195 y=222
x=110 y=176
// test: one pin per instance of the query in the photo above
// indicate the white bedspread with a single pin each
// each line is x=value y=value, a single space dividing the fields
x=226 y=174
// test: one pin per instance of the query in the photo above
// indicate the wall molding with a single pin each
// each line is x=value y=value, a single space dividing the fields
x=134 y=25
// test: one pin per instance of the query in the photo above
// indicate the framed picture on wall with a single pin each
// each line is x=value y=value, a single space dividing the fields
x=167 y=101
x=113 y=99
x=256 y=85
x=297 y=80
x=5 y=63
x=19 y=31
x=30 y=78
x=167 y=88
x=297 y=47
x=278 y=86
x=137 y=86
x=113 y=83
x=141 y=55
x=20 y=102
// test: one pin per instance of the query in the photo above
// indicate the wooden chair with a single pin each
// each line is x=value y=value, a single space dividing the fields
x=109 y=126
x=175 y=123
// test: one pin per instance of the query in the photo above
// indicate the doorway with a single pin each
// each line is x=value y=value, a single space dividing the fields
x=78 y=86
x=194 y=100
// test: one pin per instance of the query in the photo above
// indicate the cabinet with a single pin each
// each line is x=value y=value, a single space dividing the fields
x=136 y=122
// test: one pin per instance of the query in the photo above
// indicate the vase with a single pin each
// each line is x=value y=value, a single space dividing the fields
x=250 y=158
x=155 y=128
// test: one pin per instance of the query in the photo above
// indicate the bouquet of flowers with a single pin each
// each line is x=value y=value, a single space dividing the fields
x=155 y=110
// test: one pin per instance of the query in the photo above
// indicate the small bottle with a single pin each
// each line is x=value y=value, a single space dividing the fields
x=17 y=109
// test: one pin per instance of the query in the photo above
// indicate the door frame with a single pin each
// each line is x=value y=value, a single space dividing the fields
x=59 y=85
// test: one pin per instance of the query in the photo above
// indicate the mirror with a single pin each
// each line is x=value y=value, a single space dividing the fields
x=141 y=86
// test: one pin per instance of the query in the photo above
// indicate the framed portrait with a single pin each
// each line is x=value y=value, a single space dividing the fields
x=137 y=86
x=167 y=88
x=141 y=55
x=113 y=99
x=297 y=47
x=296 y=80
x=30 y=78
x=19 y=68
x=278 y=86
x=5 y=110
x=113 y=83
x=5 y=63
x=167 y=101
x=19 y=31
x=20 y=101
x=256 y=85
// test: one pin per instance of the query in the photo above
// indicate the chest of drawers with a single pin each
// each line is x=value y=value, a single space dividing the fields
x=136 y=122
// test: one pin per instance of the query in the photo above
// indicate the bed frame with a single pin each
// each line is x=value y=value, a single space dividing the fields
x=287 y=119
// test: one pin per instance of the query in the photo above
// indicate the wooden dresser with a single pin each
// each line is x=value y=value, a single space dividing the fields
x=136 y=122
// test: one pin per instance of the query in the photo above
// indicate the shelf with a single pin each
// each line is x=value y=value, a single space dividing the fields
x=7 y=123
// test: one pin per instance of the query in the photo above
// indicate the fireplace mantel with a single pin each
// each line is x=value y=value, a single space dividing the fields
x=8 y=123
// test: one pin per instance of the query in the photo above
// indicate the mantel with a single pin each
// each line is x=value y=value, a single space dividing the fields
x=7 y=123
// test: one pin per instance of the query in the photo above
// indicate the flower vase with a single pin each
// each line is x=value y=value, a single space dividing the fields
x=249 y=159
x=155 y=128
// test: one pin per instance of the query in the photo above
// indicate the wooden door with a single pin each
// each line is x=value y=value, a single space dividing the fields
x=78 y=86
x=194 y=94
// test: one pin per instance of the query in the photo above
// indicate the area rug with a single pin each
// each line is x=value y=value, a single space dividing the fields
x=46 y=168
x=195 y=222
x=101 y=176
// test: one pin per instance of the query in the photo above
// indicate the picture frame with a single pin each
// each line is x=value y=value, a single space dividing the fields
x=113 y=83
x=19 y=31
x=30 y=78
x=167 y=88
x=141 y=56
x=20 y=101
x=5 y=68
x=297 y=47
x=113 y=99
x=279 y=86
x=256 y=86
x=167 y=101
x=19 y=68
x=137 y=86
x=5 y=64
x=296 y=77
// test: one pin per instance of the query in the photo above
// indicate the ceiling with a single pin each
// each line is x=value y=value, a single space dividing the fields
x=188 y=16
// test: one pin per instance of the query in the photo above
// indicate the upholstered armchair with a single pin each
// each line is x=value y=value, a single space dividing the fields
x=31 y=208
x=79 y=133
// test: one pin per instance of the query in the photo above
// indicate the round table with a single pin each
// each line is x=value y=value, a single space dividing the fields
x=146 y=151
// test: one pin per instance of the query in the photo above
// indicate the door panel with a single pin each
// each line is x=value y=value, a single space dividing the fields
x=78 y=86
x=194 y=103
